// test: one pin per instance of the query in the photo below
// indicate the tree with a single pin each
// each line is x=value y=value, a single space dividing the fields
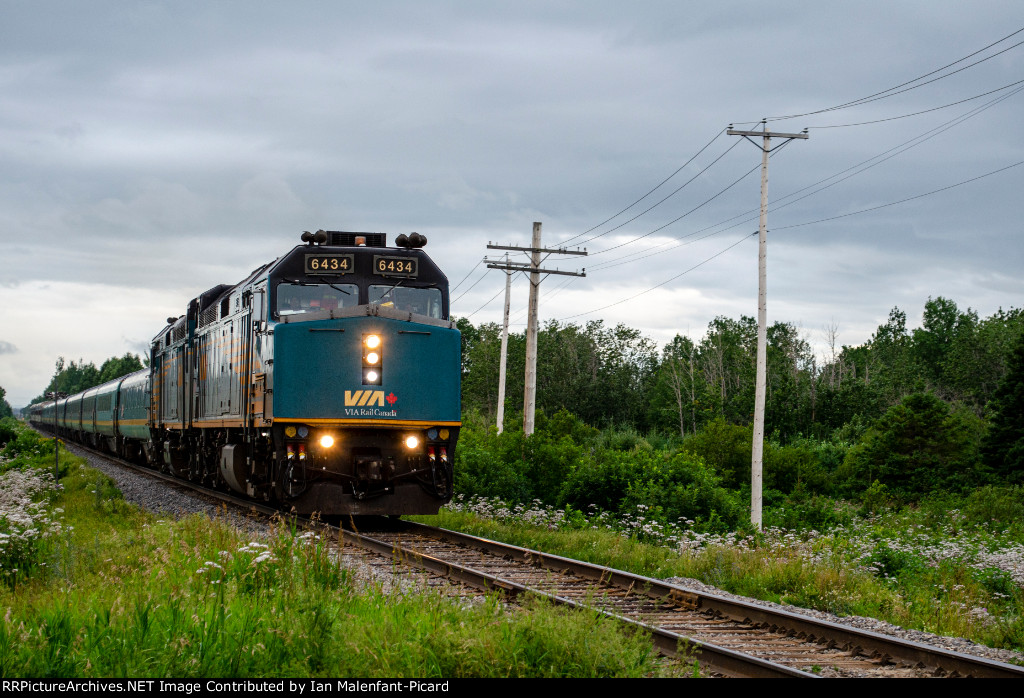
x=627 y=362
x=790 y=383
x=1003 y=447
x=678 y=383
x=481 y=356
x=71 y=378
x=728 y=359
x=892 y=360
x=978 y=360
x=918 y=446
x=115 y=367
x=470 y=336
x=5 y=407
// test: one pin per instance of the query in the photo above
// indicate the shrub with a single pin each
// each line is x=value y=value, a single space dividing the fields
x=681 y=486
x=605 y=479
x=8 y=430
x=1000 y=507
x=918 y=446
x=518 y=468
x=726 y=448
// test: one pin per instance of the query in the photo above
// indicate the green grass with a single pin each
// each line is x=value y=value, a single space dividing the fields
x=115 y=592
x=946 y=577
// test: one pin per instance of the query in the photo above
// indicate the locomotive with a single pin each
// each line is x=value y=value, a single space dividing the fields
x=327 y=380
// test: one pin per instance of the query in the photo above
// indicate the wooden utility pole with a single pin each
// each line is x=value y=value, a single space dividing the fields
x=757 y=447
x=535 y=250
x=504 y=350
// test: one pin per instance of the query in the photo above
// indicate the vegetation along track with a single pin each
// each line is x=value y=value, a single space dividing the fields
x=726 y=636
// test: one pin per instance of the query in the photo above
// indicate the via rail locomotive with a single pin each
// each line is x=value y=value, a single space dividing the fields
x=328 y=380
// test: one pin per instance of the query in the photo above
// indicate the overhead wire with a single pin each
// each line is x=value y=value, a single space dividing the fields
x=686 y=239
x=864 y=100
x=924 y=111
x=677 y=219
x=896 y=89
x=455 y=288
x=482 y=277
x=657 y=286
x=864 y=166
x=500 y=291
x=797 y=225
x=676 y=191
x=901 y=201
x=658 y=186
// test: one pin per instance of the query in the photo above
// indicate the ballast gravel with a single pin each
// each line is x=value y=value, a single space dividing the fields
x=160 y=498
x=164 y=499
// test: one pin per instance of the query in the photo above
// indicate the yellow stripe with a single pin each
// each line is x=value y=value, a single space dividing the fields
x=396 y=423
x=218 y=423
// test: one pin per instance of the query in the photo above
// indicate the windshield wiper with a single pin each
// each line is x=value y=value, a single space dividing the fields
x=347 y=293
x=383 y=295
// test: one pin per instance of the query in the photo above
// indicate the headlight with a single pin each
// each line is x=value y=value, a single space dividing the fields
x=412 y=442
x=373 y=360
x=326 y=441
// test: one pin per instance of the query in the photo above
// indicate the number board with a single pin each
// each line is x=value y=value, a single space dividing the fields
x=396 y=266
x=330 y=263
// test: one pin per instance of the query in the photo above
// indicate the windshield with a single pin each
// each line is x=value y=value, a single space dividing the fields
x=293 y=299
x=422 y=301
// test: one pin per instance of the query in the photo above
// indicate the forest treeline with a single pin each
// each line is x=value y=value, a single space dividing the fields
x=623 y=423
x=70 y=377
x=906 y=413
x=616 y=376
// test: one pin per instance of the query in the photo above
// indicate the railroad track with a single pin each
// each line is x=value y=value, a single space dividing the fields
x=725 y=636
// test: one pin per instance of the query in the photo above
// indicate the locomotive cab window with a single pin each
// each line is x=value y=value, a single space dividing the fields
x=293 y=299
x=422 y=301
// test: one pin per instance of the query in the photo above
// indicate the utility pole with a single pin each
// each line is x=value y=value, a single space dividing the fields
x=757 y=447
x=504 y=350
x=535 y=250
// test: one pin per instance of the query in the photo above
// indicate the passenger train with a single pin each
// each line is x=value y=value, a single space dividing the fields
x=327 y=380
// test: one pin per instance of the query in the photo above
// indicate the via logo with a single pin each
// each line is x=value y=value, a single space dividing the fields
x=364 y=398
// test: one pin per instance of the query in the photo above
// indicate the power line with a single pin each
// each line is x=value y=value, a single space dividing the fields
x=896 y=89
x=892 y=152
x=822 y=220
x=482 y=277
x=679 y=218
x=786 y=227
x=500 y=291
x=652 y=207
x=902 y=201
x=454 y=288
x=878 y=159
x=658 y=286
x=924 y=111
x=717 y=135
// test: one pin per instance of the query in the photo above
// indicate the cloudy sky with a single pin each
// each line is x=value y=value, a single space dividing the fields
x=151 y=150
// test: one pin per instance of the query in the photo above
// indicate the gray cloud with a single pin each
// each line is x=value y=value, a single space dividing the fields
x=162 y=148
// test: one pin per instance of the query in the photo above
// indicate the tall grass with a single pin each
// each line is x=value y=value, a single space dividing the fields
x=114 y=592
x=949 y=575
